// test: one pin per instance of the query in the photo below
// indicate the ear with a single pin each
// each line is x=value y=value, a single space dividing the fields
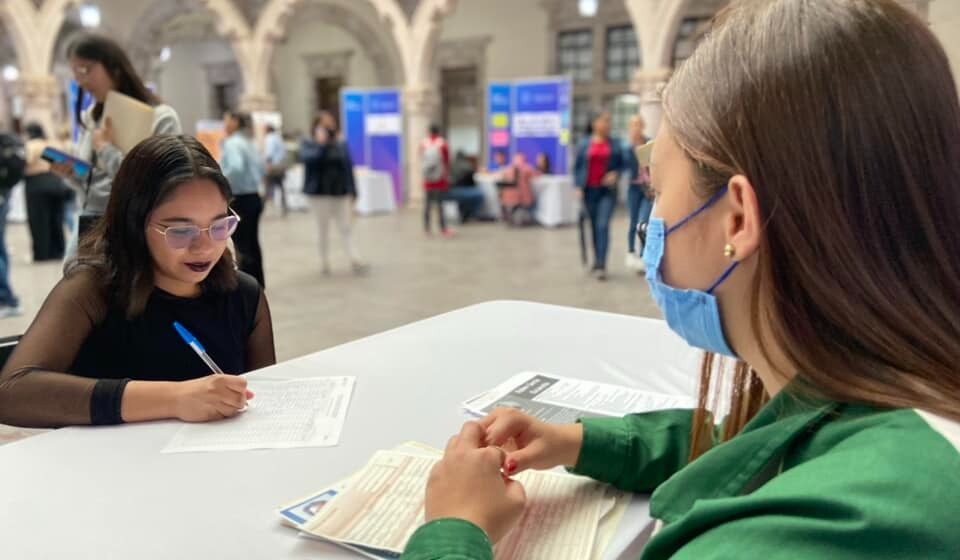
x=743 y=227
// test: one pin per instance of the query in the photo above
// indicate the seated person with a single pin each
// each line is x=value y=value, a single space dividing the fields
x=463 y=188
x=543 y=164
x=516 y=192
x=103 y=349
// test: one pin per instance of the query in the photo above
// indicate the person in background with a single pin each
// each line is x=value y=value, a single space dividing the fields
x=244 y=170
x=64 y=139
x=639 y=195
x=499 y=160
x=464 y=188
x=12 y=167
x=516 y=192
x=103 y=349
x=100 y=66
x=45 y=195
x=275 y=156
x=331 y=187
x=818 y=258
x=435 y=156
x=543 y=164
x=597 y=168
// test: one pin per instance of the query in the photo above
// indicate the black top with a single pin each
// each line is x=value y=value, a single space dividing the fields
x=73 y=363
x=149 y=345
x=327 y=169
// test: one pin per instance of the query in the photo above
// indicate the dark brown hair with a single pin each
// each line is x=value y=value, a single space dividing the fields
x=117 y=247
x=108 y=53
x=844 y=116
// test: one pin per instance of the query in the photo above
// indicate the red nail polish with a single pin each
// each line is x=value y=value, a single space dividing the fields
x=511 y=466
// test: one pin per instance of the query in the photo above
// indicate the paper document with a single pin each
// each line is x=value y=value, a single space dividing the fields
x=282 y=414
x=132 y=120
x=383 y=505
x=563 y=400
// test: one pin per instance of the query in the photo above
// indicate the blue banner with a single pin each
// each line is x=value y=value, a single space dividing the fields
x=373 y=124
x=531 y=117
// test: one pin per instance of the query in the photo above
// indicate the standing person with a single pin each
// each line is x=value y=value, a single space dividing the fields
x=329 y=182
x=99 y=66
x=243 y=169
x=275 y=156
x=12 y=166
x=597 y=169
x=436 y=167
x=639 y=195
x=816 y=254
x=46 y=195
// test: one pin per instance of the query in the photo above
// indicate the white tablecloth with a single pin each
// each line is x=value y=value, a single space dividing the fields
x=556 y=201
x=108 y=492
x=487 y=182
x=374 y=192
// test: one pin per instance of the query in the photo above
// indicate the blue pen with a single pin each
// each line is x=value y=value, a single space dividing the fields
x=197 y=347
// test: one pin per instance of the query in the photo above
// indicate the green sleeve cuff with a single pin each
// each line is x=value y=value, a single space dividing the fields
x=604 y=450
x=448 y=539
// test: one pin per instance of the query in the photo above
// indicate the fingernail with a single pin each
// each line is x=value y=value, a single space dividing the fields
x=511 y=466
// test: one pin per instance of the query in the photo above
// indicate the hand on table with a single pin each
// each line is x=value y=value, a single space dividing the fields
x=531 y=443
x=468 y=484
x=213 y=397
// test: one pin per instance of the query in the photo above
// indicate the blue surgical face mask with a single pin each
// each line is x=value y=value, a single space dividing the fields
x=692 y=314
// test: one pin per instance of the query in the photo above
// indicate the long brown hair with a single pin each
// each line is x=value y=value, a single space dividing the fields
x=116 y=249
x=844 y=116
x=115 y=61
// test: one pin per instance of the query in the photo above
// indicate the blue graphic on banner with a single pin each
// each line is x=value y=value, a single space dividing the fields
x=373 y=124
x=530 y=117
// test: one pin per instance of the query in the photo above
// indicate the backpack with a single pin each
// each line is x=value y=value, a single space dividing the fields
x=13 y=161
x=432 y=162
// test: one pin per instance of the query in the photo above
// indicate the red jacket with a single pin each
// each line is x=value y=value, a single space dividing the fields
x=442 y=184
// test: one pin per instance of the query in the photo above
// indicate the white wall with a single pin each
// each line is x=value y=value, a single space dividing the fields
x=183 y=80
x=945 y=22
x=518 y=29
x=293 y=85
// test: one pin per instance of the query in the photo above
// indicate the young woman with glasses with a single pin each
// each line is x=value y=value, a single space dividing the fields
x=103 y=348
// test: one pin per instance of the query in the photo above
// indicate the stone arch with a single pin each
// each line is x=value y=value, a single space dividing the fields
x=272 y=21
x=424 y=33
x=34 y=31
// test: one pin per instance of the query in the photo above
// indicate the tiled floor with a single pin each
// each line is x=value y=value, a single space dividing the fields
x=412 y=277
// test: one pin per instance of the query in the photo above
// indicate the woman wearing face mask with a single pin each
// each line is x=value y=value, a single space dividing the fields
x=597 y=167
x=329 y=182
x=805 y=226
x=100 y=66
x=103 y=349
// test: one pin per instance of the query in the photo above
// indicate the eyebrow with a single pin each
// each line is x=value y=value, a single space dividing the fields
x=180 y=219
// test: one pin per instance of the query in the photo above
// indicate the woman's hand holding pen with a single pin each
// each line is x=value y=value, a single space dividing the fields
x=213 y=397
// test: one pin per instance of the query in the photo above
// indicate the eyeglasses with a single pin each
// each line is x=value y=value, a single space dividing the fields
x=181 y=237
x=81 y=71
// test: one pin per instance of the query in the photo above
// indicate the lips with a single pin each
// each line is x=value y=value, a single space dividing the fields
x=202 y=266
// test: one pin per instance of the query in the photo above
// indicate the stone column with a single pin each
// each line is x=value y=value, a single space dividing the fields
x=646 y=83
x=420 y=104
x=40 y=95
x=251 y=102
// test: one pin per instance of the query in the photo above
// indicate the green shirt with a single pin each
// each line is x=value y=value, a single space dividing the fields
x=804 y=480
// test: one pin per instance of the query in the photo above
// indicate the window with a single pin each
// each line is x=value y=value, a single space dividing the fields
x=622 y=53
x=579 y=119
x=575 y=54
x=688 y=37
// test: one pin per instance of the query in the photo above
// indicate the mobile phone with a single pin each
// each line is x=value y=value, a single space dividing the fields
x=80 y=167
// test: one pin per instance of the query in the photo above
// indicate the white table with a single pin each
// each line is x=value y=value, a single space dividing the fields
x=107 y=493
x=374 y=192
x=487 y=183
x=556 y=201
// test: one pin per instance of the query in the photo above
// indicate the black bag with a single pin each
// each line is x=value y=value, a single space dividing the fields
x=13 y=161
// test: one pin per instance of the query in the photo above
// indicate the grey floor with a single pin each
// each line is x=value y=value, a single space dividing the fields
x=412 y=276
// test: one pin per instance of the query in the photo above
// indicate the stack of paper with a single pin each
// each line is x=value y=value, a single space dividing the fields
x=376 y=510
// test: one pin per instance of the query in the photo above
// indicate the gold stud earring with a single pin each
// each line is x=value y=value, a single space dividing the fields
x=729 y=251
